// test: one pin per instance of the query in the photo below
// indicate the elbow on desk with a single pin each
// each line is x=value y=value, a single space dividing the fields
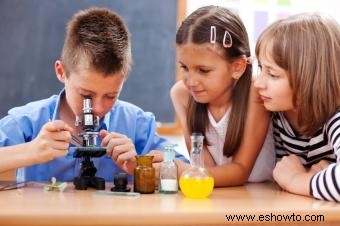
x=232 y=178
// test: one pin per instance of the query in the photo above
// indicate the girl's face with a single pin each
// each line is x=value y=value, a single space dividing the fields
x=273 y=85
x=205 y=73
x=104 y=91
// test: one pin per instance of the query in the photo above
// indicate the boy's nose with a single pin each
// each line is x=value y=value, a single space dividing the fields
x=99 y=108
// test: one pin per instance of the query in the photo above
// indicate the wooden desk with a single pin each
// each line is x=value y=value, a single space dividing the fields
x=34 y=206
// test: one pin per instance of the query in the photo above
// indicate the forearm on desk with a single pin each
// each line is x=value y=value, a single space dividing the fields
x=16 y=156
x=325 y=184
x=231 y=174
x=182 y=166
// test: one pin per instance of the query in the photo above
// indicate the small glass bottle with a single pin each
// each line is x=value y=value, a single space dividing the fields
x=168 y=179
x=196 y=182
x=144 y=175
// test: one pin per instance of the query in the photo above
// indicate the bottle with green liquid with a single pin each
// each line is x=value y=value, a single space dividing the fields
x=196 y=182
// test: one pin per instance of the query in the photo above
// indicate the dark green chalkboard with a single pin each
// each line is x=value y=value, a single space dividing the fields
x=32 y=34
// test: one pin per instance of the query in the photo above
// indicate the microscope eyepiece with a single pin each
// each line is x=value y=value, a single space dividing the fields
x=88 y=117
x=87 y=105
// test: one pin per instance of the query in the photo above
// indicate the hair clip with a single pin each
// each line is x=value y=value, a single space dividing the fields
x=250 y=60
x=227 y=43
x=212 y=34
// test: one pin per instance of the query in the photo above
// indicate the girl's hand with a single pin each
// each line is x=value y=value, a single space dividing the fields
x=292 y=176
x=52 y=141
x=121 y=149
x=317 y=167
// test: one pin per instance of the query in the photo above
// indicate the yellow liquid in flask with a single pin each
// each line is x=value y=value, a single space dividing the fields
x=197 y=188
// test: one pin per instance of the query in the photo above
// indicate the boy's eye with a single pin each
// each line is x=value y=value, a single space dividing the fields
x=86 y=95
x=111 y=97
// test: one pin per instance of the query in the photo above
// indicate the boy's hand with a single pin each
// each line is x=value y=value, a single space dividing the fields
x=158 y=157
x=121 y=149
x=52 y=141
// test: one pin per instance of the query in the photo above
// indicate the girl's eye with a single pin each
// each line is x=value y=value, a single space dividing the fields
x=269 y=73
x=204 y=71
x=183 y=67
x=273 y=76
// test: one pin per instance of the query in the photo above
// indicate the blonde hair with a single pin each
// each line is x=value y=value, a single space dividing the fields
x=99 y=39
x=307 y=47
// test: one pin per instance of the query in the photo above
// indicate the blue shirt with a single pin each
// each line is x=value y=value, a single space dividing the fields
x=23 y=124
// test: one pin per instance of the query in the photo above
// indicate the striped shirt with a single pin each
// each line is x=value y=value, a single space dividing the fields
x=324 y=145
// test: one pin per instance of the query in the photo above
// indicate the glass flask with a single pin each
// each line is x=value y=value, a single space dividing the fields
x=144 y=175
x=168 y=179
x=195 y=182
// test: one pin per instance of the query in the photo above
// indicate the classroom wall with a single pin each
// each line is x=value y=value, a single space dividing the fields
x=32 y=34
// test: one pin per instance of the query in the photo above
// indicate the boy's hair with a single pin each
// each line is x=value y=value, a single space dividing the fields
x=196 y=28
x=307 y=47
x=97 y=39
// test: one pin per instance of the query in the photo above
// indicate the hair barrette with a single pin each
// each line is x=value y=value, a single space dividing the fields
x=212 y=34
x=250 y=60
x=227 y=40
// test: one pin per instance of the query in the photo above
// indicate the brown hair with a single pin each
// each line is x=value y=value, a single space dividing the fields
x=99 y=39
x=307 y=46
x=196 y=29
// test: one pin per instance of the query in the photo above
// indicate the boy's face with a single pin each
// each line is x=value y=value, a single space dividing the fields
x=104 y=91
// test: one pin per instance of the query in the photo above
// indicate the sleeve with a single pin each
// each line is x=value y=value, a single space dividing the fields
x=146 y=138
x=325 y=184
x=10 y=132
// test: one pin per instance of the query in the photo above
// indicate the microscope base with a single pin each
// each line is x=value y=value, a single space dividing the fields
x=81 y=183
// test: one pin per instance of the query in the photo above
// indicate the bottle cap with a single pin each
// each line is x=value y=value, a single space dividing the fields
x=197 y=137
x=169 y=152
x=169 y=155
x=120 y=181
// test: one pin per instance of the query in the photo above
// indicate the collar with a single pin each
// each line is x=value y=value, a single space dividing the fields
x=55 y=115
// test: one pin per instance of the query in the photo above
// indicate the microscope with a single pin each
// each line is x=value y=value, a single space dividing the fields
x=89 y=149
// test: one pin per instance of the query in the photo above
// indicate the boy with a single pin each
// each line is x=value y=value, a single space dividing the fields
x=95 y=62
